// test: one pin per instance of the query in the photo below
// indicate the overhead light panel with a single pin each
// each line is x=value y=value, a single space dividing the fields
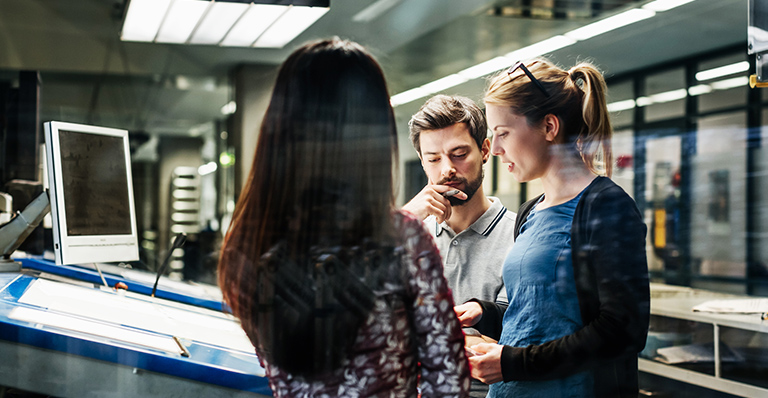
x=262 y=23
x=555 y=43
x=699 y=89
x=610 y=23
x=444 y=83
x=289 y=25
x=181 y=20
x=217 y=22
x=143 y=19
x=256 y=20
x=543 y=47
x=621 y=105
x=408 y=96
x=660 y=98
x=665 y=5
x=727 y=84
x=486 y=68
x=669 y=96
x=721 y=71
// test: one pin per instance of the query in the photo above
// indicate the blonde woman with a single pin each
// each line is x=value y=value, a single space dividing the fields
x=576 y=278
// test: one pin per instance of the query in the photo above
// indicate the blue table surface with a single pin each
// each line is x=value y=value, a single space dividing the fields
x=207 y=363
x=89 y=275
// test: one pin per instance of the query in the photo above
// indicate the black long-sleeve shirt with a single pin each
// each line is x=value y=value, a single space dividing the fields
x=611 y=273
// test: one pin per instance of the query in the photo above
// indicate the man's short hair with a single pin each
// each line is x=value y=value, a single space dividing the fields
x=443 y=111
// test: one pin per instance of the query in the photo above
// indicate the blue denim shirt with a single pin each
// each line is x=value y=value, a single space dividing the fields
x=543 y=303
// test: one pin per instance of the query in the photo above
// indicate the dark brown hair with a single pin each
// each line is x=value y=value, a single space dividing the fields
x=317 y=201
x=443 y=111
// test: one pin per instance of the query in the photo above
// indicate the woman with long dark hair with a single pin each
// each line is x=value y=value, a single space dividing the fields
x=340 y=294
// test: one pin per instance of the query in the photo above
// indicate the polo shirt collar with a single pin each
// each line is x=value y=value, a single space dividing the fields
x=486 y=223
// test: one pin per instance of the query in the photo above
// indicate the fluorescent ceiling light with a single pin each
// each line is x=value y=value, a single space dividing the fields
x=555 y=43
x=543 y=47
x=143 y=19
x=408 y=96
x=290 y=25
x=699 y=90
x=742 y=81
x=223 y=22
x=643 y=101
x=660 y=98
x=669 y=96
x=486 y=68
x=722 y=71
x=444 y=83
x=375 y=10
x=609 y=24
x=665 y=5
x=217 y=22
x=621 y=105
x=181 y=20
x=252 y=24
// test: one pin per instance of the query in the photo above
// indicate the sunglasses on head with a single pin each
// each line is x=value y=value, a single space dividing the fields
x=520 y=65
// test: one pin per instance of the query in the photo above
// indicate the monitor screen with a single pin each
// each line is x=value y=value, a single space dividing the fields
x=89 y=172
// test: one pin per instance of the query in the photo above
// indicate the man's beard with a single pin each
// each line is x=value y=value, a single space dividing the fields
x=470 y=187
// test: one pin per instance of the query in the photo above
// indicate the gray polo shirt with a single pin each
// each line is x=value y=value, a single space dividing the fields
x=473 y=259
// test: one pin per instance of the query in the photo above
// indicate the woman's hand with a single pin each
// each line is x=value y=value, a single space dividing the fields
x=486 y=363
x=469 y=313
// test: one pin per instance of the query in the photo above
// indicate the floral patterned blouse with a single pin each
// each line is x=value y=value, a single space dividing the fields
x=402 y=350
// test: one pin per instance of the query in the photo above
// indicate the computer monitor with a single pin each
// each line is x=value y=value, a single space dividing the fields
x=91 y=194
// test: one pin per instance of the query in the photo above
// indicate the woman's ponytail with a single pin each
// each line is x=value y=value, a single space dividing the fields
x=594 y=111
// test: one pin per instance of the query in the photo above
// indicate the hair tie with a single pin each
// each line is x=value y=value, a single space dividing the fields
x=572 y=75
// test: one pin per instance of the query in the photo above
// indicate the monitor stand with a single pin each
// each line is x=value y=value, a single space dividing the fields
x=8 y=265
x=13 y=233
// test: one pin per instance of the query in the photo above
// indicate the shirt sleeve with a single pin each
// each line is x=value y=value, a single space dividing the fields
x=490 y=323
x=444 y=367
x=612 y=282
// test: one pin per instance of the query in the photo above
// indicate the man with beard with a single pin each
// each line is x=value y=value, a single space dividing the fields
x=473 y=231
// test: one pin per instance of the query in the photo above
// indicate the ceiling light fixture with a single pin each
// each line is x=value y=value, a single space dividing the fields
x=444 y=83
x=621 y=105
x=548 y=46
x=180 y=21
x=699 y=89
x=543 y=47
x=665 y=5
x=487 y=67
x=727 y=84
x=660 y=98
x=721 y=71
x=408 y=96
x=610 y=23
x=289 y=25
x=217 y=22
x=238 y=23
